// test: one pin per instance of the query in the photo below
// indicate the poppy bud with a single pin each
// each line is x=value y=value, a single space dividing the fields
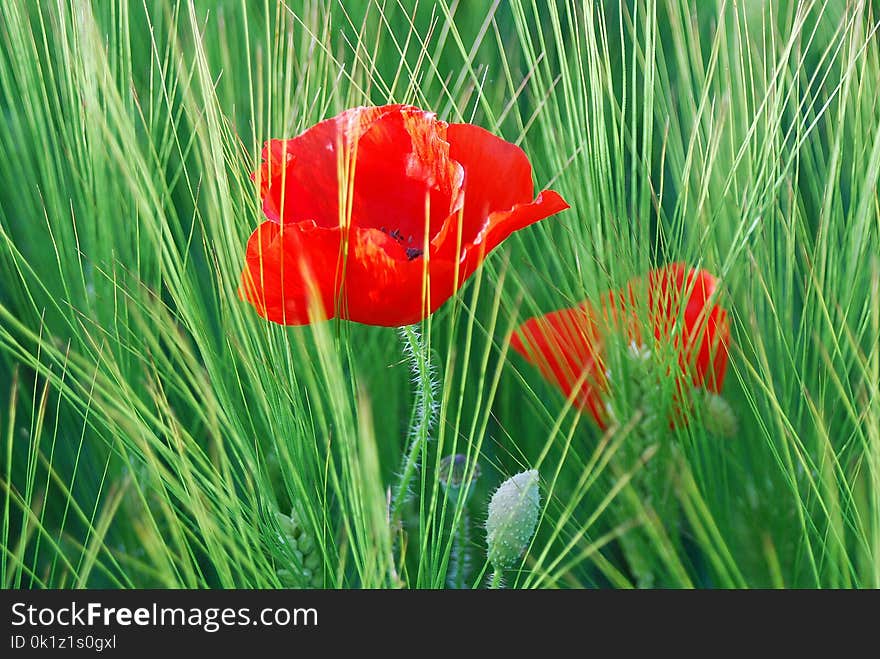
x=454 y=477
x=513 y=516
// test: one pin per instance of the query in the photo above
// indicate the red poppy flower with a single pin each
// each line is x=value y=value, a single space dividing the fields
x=568 y=345
x=380 y=214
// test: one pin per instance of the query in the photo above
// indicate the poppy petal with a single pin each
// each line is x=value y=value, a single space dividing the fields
x=291 y=272
x=404 y=179
x=566 y=343
x=498 y=175
x=500 y=225
x=706 y=335
x=496 y=228
x=503 y=223
x=385 y=287
x=566 y=347
x=299 y=177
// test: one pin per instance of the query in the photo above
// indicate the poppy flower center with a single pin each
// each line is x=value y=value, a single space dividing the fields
x=413 y=248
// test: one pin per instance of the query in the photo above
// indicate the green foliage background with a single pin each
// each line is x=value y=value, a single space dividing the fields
x=152 y=425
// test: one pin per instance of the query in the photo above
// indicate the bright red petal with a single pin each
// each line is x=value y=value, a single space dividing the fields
x=404 y=179
x=503 y=223
x=291 y=272
x=707 y=332
x=498 y=175
x=299 y=177
x=399 y=160
x=565 y=347
x=294 y=276
x=384 y=287
x=566 y=343
x=270 y=175
x=497 y=228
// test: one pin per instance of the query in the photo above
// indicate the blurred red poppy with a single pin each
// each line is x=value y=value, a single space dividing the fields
x=568 y=346
x=380 y=214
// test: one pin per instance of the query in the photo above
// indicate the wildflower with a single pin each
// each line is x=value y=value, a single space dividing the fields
x=570 y=346
x=380 y=214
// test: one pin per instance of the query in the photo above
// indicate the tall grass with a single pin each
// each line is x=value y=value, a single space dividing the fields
x=154 y=427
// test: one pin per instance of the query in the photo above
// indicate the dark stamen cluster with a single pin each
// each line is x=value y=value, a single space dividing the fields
x=411 y=252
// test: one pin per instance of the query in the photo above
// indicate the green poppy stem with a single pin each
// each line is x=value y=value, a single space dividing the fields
x=424 y=411
x=497 y=582
x=460 y=559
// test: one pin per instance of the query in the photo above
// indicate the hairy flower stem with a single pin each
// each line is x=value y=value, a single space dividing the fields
x=497 y=581
x=424 y=412
x=460 y=559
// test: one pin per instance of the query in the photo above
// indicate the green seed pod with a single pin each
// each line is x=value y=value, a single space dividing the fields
x=513 y=516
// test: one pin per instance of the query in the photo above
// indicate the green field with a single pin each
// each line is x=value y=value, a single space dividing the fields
x=157 y=432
